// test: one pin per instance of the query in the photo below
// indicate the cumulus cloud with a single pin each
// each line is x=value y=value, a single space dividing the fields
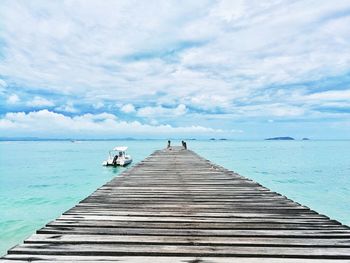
x=98 y=105
x=40 y=102
x=44 y=122
x=13 y=99
x=160 y=111
x=3 y=85
x=128 y=108
x=68 y=107
x=211 y=102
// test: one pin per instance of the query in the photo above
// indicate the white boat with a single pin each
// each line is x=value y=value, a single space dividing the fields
x=118 y=156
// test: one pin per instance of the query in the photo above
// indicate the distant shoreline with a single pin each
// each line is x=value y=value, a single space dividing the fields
x=5 y=139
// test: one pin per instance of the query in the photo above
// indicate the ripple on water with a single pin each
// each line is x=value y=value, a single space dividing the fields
x=32 y=201
x=260 y=172
x=9 y=223
x=40 y=185
x=78 y=169
x=293 y=181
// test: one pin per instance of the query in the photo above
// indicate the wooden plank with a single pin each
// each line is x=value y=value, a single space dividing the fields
x=194 y=225
x=179 y=250
x=207 y=214
x=191 y=240
x=145 y=218
x=159 y=259
x=324 y=233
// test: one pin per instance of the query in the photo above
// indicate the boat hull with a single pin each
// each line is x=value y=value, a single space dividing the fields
x=110 y=162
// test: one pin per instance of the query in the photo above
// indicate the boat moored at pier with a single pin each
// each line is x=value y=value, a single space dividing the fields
x=118 y=157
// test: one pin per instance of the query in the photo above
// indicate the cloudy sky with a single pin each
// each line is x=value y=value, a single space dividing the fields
x=241 y=69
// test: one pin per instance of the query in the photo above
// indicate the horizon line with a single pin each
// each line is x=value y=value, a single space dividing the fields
x=159 y=139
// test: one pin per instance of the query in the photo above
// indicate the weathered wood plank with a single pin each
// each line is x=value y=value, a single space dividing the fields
x=145 y=218
x=158 y=259
x=191 y=240
x=178 y=250
x=194 y=225
x=324 y=233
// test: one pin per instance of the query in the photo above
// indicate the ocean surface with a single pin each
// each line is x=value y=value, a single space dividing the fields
x=39 y=180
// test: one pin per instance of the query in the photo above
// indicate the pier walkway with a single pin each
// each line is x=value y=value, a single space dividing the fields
x=174 y=207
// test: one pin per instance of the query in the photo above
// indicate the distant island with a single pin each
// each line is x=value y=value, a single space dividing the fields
x=305 y=139
x=280 y=139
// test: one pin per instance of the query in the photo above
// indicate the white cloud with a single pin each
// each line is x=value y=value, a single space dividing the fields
x=229 y=10
x=242 y=46
x=13 y=99
x=40 y=102
x=45 y=122
x=3 y=84
x=332 y=95
x=273 y=110
x=229 y=58
x=128 y=108
x=210 y=102
x=98 y=105
x=68 y=107
x=160 y=111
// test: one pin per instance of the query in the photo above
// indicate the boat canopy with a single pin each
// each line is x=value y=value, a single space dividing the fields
x=120 y=148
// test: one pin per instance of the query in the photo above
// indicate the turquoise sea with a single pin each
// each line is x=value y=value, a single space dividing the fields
x=41 y=179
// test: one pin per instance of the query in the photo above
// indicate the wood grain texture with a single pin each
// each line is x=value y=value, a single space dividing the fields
x=176 y=206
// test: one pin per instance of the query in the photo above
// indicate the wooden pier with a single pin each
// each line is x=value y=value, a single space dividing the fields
x=174 y=207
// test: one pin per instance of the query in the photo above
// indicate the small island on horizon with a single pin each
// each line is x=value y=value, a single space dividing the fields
x=286 y=138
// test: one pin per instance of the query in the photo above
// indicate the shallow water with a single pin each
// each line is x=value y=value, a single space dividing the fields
x=41 y=180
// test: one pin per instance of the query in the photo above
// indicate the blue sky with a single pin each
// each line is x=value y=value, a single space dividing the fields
x=157 y=69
